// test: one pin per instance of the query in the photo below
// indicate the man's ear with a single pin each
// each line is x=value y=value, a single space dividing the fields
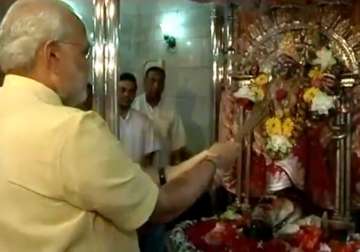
x=52 y=54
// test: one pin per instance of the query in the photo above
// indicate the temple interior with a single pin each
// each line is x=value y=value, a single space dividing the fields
x=279 y=77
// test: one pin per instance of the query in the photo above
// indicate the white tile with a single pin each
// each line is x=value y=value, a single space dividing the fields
x=149 y=50
x=157 y=6
x=188 y=84
x=146 y=22
x=181 y=82
x=195 y=23
x=197 y=54
x=129 y=7
x=196 y=115
x=191 y=53
x=128 y=24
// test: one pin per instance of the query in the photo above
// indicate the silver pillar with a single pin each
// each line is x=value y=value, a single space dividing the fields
x=105 y=60
x=217 y=45
x=342 y=134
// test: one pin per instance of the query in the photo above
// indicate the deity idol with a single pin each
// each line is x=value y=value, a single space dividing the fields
x=290 y=148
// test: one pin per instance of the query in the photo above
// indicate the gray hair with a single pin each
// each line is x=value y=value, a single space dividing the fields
x=23 y=30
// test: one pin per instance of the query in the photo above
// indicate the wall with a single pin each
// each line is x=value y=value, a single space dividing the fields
x=129 y=22
x=4 y=5
x=189 y=73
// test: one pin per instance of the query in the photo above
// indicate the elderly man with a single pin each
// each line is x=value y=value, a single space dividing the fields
x=65 y=183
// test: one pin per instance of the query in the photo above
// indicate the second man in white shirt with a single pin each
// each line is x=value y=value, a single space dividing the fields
x=136 y=131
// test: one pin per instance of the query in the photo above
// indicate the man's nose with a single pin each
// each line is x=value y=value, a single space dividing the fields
x=156 y=84
x=127 y=93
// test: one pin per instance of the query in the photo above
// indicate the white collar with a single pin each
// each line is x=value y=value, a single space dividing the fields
x=127 y=116
x=149 y=107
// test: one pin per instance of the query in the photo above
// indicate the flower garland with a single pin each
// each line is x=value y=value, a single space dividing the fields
x=255 y=90
x=180 y=241
x=317 y=96
x=279 y=132
x=320 y=102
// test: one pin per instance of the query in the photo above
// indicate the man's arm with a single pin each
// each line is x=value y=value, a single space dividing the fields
x=173 y=172
x=178 y=156
x=181 y=192
x=98 y=177
x=190 y=179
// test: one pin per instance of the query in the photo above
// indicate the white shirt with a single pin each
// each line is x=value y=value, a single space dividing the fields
x=168 y=125
x=65 y=181
x=137 y=135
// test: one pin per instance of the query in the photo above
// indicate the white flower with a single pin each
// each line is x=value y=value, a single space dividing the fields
x=322 y=103
x=324 y=58
x=278 y=143
x=324 y=248
x=245 y=92
x=253 y=94
x=289 y=229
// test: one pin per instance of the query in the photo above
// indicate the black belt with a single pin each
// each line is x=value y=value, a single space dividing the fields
x=162 y=176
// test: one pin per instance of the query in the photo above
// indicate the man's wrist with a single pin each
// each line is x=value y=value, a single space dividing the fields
x=162 y=176
x=213 y=161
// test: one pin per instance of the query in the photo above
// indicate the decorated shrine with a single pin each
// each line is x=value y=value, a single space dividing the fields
x=287 y=91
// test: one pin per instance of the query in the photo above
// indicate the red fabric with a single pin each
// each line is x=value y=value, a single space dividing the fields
x=259 y=167
x=229 y=239
x=258 y=176
x=337 y=246
x=246 y=103
x=319 y=177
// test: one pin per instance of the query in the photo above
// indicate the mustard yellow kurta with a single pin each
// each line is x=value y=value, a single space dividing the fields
x=65 y=182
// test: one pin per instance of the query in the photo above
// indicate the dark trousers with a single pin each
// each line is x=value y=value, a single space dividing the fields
x=153 y=239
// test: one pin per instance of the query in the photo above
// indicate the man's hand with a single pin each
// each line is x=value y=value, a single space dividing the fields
x=226 y=154
x=193 y=178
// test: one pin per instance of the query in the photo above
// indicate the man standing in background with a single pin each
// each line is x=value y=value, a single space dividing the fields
x=167 y=123
x=170 y=128
x=136 y=131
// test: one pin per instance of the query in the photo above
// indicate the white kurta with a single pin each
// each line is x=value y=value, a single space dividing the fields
x=168 y=125
x=137 y=135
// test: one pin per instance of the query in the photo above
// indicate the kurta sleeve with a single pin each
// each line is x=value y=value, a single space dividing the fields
x=99 y=177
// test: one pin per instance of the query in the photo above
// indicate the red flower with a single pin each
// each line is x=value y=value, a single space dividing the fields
x=275 y=245
x=308 y=238
x=300 y=94
x=281 y=94
x=246 y=103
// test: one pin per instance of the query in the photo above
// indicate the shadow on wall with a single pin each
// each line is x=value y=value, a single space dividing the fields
x=195 y=136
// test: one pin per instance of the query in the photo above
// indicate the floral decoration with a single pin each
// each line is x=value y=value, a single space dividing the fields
x=254 y=91
x=279 y=136
x=324 y=58
x=318 y=94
